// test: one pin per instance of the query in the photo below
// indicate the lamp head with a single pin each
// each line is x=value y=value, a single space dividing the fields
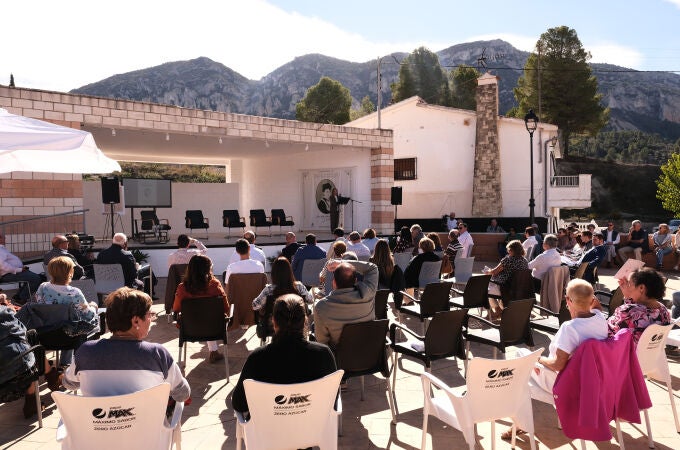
x=531 y=121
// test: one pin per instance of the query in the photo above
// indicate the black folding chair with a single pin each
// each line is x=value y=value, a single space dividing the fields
x=194 y=220
x=280 y=218
x=232 y=219
x=258 y=218
x=152 y=225
x=435 y=298
x=549 y=321
x=514 y=328
x=381 y=297
x=475 y=295
x=362 y=350
x=203 y=319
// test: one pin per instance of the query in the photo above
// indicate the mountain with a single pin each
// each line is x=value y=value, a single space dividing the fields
x=648 y=102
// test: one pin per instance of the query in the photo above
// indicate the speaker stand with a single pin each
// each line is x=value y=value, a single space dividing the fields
x=111 y=221
x=395 y=218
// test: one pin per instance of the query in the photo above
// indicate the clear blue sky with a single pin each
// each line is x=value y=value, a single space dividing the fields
x=64 y=45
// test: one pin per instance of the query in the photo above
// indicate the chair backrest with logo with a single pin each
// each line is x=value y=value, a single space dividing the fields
x=121 y=421
x=296 y=415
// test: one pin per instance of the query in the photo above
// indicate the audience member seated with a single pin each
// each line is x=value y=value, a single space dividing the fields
x=245 y=264
x=350 y=301
x=452 y=250
x=663 y=244
x=642 y=292
x=637 y=244
x=465 y=239
x=390 y=276
x=539 y=238
x=308 y=251
x=12 y=343
x=413 y=268
x=434 y=237
x=416 y=235
x=283 y=282
x=529 y=239
x=451 y=221
x=356 y=246
x=198 y=282
x=338 y=249
x=118 y=253
x=339 y=234
x=587 y=322
x=84 y=258
x=545 y=261
x=60 y=248
x=573 y=256
x=611 y=240
x=13 y=270
x=291 y=246
x=369 y=239
x=404 y=241
x=510 y=236
x=494 y=227
x=502 y=274
x=256 y=252
x=57 y=291
x=125 y=363
x=183 y=253
x=593 y=257
x=290 y=358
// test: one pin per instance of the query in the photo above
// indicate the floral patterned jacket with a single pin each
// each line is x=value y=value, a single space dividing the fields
x=636 y=317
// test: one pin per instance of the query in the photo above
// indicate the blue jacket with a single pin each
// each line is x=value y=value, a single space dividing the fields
x=594 y=258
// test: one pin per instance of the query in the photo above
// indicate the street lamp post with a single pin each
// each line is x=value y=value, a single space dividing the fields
x=531 y=122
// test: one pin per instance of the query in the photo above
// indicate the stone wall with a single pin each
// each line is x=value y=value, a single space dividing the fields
x=487 y=200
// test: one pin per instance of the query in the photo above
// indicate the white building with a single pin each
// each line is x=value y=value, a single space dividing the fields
x=440 y=151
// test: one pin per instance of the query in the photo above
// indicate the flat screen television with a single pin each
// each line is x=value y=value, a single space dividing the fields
x=144 y=193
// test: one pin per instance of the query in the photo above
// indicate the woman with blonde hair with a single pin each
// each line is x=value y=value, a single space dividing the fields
x=59 y=291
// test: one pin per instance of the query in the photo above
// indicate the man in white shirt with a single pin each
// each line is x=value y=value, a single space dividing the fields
x=451 y=222
x=12 y=270
x=256 y=252
x=356 y=246
x=183 y=253
x=545 y=261
x=530 y=241
x=245 y=264
x=611 y=240
x=465 y=239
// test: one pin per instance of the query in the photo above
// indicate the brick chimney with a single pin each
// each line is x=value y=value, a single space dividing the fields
x=487 y=200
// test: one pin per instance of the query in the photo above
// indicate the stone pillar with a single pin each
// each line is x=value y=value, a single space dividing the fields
x=487 y=200
x=382 y=180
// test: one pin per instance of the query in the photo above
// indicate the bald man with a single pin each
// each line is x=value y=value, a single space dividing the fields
x=350 y=301
x=60 y=248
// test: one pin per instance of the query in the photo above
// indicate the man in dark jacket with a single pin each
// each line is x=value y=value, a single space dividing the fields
x=60 y=248
x=118 y=254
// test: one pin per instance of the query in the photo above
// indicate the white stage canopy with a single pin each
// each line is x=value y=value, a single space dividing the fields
x=32 y=145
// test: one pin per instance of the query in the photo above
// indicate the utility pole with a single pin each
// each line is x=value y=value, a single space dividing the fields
x=379 y=84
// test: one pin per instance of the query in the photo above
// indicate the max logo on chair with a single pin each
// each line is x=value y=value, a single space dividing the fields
x=115 y=413
x=293 y=399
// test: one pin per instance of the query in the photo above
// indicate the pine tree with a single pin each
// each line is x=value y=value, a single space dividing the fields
x=421 y=74
x=569 y=97
x=326 y=102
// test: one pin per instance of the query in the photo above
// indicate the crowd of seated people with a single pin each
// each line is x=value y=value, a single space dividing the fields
x=125 y=362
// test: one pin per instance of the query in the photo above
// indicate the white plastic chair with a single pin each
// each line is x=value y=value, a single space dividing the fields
x=284 y=416
x=429 y=273
x=652 y=357
x=464 y=269
x=310 y=271
x=117 y=422
x=88 y=288
x=108 y=277
x=495 y=389
x=402 y=260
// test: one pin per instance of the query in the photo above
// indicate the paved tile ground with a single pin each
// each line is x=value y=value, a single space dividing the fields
x=208 y=423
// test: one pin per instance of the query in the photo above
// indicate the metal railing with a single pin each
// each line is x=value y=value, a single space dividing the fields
x=564 y=181
x=31 y=237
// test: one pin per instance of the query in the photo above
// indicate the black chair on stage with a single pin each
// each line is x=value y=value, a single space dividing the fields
x=280 y=218
x=151 y=225
x=258 y=218
x=194 y=220
x=232 y=219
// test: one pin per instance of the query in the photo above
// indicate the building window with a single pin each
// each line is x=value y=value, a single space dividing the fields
x=405 y=169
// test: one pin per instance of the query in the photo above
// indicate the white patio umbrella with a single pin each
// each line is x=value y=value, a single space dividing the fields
x=31 y=145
